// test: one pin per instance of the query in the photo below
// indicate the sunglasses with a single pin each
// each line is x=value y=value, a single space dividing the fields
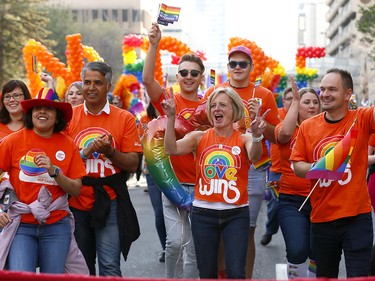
x=185 y=72
x=243 y=64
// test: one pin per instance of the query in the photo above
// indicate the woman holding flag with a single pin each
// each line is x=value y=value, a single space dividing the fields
x=295 y=223
x=328 y=151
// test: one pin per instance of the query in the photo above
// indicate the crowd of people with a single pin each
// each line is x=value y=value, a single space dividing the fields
x=64 y=200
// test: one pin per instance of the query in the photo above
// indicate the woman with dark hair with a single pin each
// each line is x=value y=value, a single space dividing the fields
x=11 y=115
x=44 y=167
x=294 y=220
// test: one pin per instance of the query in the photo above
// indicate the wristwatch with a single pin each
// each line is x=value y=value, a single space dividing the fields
x=56 y=172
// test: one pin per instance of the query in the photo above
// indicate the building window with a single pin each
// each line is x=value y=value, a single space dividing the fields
x=125 y=15
x=114 y=15
x=95 y=14
x=105 y=15
x=75 y=15
x=136 y=16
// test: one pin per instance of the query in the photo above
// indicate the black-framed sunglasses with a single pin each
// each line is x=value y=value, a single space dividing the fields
x=185 y=72
x=243 y=64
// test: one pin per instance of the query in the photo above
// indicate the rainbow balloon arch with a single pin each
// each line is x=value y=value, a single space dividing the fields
x=272 y=72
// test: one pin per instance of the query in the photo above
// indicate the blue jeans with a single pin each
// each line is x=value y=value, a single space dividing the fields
x=44 y=245
x=353 y=235
x=256 y=188
x=157 y=204
x=295 y=226
x=272 y=224
x=105 y=241
x=208 y=227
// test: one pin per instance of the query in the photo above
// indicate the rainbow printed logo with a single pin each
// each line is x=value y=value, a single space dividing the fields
x=87 y=136
x=220 y=164
x=28 y=165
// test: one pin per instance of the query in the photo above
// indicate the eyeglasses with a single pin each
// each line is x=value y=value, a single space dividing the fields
x=243 y=64
x=185 y=72
x=14 y=96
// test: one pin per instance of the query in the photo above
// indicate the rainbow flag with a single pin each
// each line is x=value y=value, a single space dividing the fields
x=212 y=77
x=168 y=14
x=258 y=81
x=332 y=166
x=263 y=164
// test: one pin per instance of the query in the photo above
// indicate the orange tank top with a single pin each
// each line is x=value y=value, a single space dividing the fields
x=222 y=169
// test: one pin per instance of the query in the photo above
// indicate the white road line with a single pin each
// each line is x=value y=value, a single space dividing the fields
x=281 y=271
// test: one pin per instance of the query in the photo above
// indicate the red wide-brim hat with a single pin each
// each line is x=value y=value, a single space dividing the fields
x=48 y=97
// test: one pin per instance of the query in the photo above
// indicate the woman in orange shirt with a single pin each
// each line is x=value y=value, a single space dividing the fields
x=220 y=206
x=295 y=224
x=11 y=114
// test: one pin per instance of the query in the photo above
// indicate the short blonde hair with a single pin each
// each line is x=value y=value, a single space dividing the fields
x=236 y=101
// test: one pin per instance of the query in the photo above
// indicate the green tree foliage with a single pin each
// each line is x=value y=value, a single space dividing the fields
x=60 y=25
x=366 y=25
x=104 y=37
x=20 y=21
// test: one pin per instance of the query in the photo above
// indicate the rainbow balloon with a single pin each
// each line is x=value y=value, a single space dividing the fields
x=158 y=161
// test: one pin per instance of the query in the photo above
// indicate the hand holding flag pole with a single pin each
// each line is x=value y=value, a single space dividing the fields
x=332 y=166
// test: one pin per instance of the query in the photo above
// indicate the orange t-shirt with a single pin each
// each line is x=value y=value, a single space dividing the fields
x=266 y=100
x=18 y=151
x=274 y=149
x=371 y=141
x=349 y=196
x=84 y=128
x=289 y=182
x=182 y=164
x=4 y=131
x=222 y=166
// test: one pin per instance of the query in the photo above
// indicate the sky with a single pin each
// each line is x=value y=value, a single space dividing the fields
x=271 y=24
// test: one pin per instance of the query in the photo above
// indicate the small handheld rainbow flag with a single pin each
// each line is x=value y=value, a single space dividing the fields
x=212 y=77
x=332 y=166
x=257 y=83
x=168 y=14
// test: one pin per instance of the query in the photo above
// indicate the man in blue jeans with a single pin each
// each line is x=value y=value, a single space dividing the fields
x=109 y=144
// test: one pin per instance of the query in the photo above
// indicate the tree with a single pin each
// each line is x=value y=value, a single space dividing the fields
x=366 y=25
x=20 y=21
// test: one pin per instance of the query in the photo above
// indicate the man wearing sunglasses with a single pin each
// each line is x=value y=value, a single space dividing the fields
x=180 y=260
x=240 y=64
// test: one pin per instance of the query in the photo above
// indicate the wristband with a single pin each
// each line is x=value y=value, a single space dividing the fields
x=82 y=155
x=258 y=139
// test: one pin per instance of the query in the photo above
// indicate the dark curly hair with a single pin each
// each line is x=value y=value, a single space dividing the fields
x=60 y=125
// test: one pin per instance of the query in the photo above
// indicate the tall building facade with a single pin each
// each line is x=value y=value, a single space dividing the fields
x=343 y=43
x=129 y=14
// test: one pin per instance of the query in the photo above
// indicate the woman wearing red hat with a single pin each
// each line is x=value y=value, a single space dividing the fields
x=44 y=167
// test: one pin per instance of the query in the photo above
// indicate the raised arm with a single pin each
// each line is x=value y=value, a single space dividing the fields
x=154 y=90
x=253 y=143
x=183 y=146
x=291 y=118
